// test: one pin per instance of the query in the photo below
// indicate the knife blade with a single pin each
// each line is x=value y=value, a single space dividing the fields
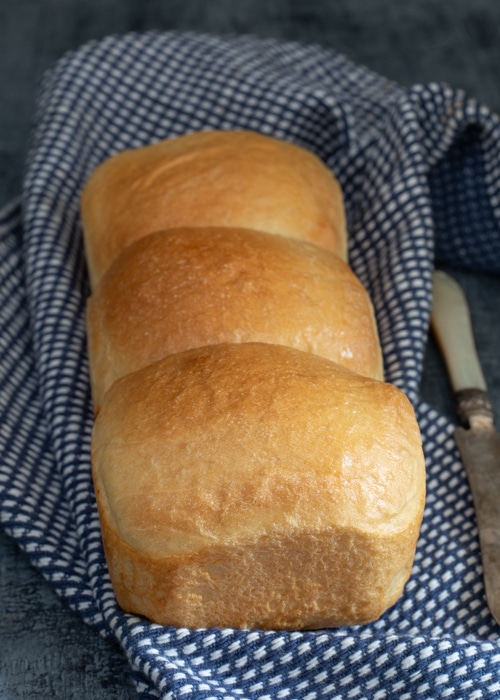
x=477 y=440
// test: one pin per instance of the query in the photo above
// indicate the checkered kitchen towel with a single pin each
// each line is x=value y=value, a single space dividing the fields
x=420 y=172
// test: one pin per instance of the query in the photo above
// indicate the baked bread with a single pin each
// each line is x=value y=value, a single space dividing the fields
x=183 y=288
x=210 y=178
x=255 y=485
x=251 y=469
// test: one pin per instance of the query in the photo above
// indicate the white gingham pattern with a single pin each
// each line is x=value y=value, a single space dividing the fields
x=420 y=172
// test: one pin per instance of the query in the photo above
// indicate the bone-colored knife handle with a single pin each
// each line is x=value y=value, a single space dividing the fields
x=451 y=325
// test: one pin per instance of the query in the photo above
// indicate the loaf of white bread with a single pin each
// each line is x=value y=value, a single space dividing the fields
x=251 y=466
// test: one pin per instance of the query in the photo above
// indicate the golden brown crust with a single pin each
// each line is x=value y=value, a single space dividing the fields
x=183 y=288
x=244 y=477
x=302 y=581
x=221 y=470
x=210 y=178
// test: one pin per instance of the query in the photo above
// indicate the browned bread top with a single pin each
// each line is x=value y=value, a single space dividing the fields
x=183 y=288
x=210 y=178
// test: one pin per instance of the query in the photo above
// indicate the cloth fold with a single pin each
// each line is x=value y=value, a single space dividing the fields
x=420 y=172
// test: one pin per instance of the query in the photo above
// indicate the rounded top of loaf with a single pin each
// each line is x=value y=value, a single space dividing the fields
x=233 y=442
x=210 y=178
x=184 y=288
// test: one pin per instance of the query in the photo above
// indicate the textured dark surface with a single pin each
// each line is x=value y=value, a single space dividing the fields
x=420 y=41
x=45 y=649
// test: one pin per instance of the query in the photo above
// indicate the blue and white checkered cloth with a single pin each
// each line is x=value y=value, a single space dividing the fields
x=421 y=173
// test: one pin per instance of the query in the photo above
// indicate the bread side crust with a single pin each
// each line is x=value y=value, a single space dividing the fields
x=303 y=580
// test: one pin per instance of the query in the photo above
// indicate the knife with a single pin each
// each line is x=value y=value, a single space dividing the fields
x=478 y=441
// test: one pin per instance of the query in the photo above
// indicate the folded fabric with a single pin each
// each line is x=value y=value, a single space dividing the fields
x=420 y=172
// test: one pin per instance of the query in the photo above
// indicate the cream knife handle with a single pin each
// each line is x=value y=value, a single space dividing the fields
x=451 y=325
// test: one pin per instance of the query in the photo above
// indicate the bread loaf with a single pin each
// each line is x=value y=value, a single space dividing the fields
x=184 y=288
x=251 y=466
x=210 y=178
x=254 y=485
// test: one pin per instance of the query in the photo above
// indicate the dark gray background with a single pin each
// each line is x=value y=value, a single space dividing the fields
x=45 y=649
